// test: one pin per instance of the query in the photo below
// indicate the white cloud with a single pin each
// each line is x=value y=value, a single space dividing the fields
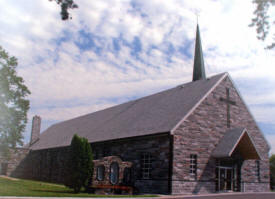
x=65 y=113
x=58 y=71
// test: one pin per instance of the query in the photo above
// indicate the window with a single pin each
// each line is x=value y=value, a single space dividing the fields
x=95 y=152
x=114 y=173
x=127 y=176
x=100 y=172
x=99 y=153
x=106 y=151
x=146 y=165
x=258 y=170
x=193 y=164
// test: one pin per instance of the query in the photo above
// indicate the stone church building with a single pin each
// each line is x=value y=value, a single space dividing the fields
x=198 y=137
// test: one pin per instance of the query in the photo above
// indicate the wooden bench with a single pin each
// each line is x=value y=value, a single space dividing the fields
x=123 y=188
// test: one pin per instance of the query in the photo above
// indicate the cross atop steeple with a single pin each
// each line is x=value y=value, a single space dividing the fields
x=198 y=70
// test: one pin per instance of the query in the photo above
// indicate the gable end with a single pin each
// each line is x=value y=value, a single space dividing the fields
x=198 y=103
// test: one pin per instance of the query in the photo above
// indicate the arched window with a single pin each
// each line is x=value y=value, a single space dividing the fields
x=100 y=172
x=114 y=173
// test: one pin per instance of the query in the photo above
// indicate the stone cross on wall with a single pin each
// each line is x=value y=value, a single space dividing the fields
x=228 y=103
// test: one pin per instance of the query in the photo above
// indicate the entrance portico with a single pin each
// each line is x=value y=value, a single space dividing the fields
x=235 y=147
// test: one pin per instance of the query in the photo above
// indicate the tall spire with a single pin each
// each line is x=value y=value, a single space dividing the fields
x=198 y=70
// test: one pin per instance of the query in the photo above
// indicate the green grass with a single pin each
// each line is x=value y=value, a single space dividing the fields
x=19 y=187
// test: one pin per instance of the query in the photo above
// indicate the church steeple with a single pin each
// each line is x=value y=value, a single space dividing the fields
x=198 y=70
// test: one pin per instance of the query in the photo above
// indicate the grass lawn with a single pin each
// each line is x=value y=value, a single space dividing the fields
x=9 y=187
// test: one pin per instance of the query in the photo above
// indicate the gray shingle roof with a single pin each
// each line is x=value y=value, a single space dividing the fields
x=237 y=138
x=152 y=114
x=227 y=143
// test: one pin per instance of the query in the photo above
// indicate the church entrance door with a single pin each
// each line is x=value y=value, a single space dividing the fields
x=227 y=176
x=226 y=179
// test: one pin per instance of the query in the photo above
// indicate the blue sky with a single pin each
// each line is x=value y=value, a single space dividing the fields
x=115 y=51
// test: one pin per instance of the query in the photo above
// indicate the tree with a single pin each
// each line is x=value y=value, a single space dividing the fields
x=272 y=171
x=262 y=20
x=65 y=6
x=13 y=104
x=80 y=164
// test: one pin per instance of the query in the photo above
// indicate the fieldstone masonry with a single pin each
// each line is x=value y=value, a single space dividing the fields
x=36 y=124
x=201 y=132
x=131 y=150
x=14 y=160
x=18 y=155
x=48 y=165
x=106 y=162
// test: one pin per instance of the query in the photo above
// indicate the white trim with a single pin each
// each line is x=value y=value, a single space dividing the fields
x=238 y=92
x=198 y=103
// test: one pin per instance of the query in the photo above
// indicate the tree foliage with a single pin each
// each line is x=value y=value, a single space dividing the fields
x=13 y=104
x=262 y=21
x=65 y=5
x=80 y=164
x=272 y=171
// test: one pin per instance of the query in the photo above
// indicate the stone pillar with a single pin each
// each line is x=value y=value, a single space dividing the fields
x=36 y=124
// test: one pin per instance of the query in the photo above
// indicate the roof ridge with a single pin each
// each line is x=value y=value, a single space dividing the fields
x=200 y=101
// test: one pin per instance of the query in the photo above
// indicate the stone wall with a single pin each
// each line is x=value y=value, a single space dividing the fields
x=192 y=187
x=44 y=165
x=255 y=187
x=16 y=157
x=131 y=149
x=48 y=165
x=201 y=132
x=35 y=133
x=106 y=162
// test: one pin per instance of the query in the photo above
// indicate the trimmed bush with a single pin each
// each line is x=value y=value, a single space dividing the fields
x=79 y=164
x=272 y=171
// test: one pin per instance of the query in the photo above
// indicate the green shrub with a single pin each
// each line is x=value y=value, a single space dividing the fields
x=79 y=164
x=272 y=171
